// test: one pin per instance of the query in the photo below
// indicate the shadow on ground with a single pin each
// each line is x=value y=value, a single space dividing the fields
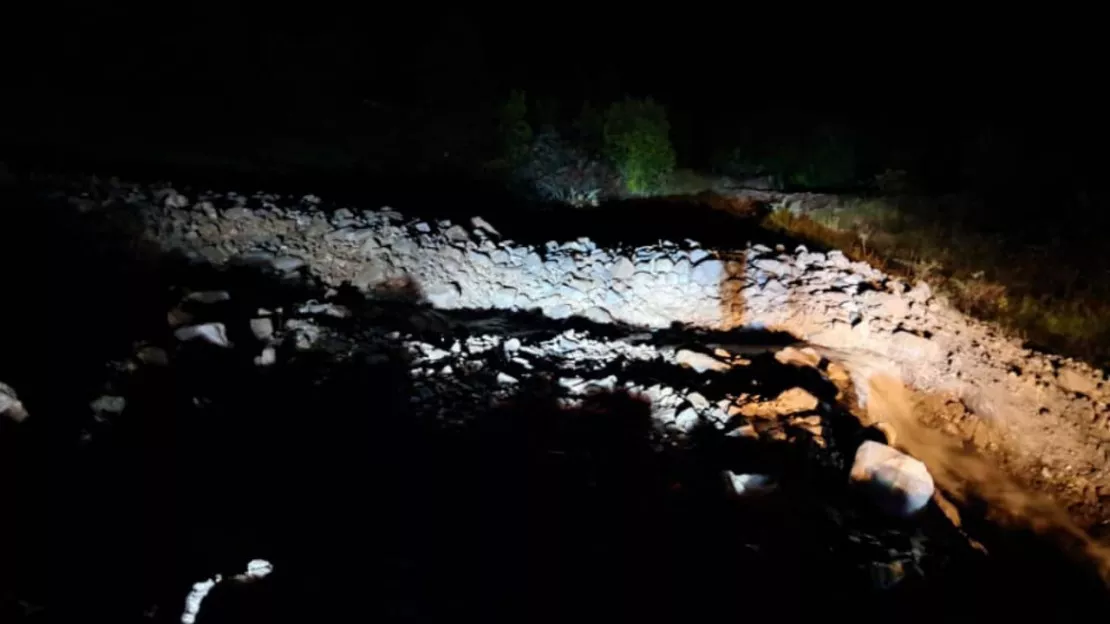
x=320 y=465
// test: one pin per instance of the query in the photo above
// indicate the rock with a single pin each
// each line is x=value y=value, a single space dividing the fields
x=905 y=345
x=257 y=259
x=267 y=358
x=697 y=400
x=457 y=233
x=749 y=484
x=176 y=200
x=209 y=296
x=212 y=333
x=700 y=361
x=108 y=404
x=481 y=224
x=686 y=420
x=1074 y=381
x=423 y=227
x=708 y=272
x=698 y=255
x=899 y=484
x=512 y=345
x=10 y=406
x=598 y=315
x=151 y=355
x=506 y=380
x=262 y=328
x=772 y=266
x=623 y=268
x=504 y=298
x=560 y=311
x=287 y=264
x=443 y=295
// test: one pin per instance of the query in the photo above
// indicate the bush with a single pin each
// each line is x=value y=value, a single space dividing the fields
x=557 y=171
x=636 y=139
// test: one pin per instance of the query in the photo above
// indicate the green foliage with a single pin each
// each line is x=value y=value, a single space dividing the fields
x=514 y=130
x=636 y=138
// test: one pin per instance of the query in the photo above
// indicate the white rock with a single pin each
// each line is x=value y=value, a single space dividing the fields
x=697 y=400
x=267 y=358
x=481 y=224
x=287 y=264
x=511 y=345
x=899 y=484
x=212 y=333
x=687 y=419
x=700 y=361
x=623 y=268
x=262 y=328
x=506 y=379
x=708 y=272
x=196 y=597
x=10 y=406
x=749 y=484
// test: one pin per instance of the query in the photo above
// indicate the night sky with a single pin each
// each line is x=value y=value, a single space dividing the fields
x=228 y=73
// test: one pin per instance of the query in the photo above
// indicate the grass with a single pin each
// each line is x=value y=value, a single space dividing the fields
x=1052 y=296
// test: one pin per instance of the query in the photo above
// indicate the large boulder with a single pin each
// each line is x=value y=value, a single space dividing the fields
x=899 y=484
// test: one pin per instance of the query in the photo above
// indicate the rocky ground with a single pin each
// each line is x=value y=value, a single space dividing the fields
x=415 y=418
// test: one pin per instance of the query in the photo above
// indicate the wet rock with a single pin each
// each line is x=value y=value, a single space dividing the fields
x=899 y=484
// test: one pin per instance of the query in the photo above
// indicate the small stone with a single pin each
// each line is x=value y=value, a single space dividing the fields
x=457 y=233
x=481 y=224
x=287 y=264
x=749 y=484
x=209 y=296
x=700 y=361
x=506 y=380
x=212 y=333
x=687 y=419
x=262 y=328
x=512 y=345
x=423 y=227
x=267 y=358
x=108 y=404
x=697 y=400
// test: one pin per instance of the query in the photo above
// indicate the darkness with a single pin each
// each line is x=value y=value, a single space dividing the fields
x=211 y=86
